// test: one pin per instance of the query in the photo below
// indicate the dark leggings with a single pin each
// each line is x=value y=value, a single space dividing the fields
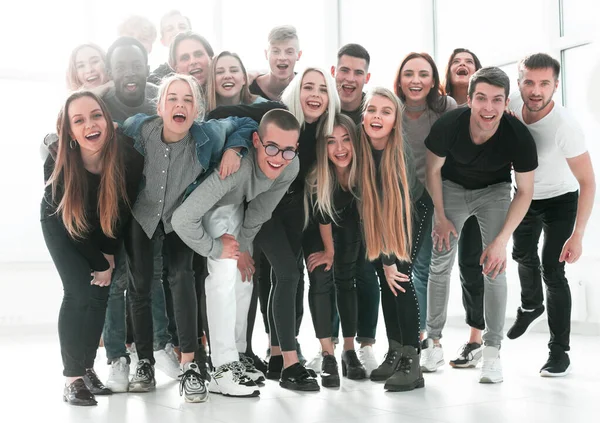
x=401 y=312
x=470 y=249
x=181 y=281
x=338 y=282
x=280 y=239
x=83 y=308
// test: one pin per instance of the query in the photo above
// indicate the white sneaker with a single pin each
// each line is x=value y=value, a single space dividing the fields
x=366 y=355
x=230 y=380
x=432 y=356
x=315 y=363
x=252 y=372
x=491 y=370
x=192 y=385
x=133 y=356
x=118 y=375
x=167 y=362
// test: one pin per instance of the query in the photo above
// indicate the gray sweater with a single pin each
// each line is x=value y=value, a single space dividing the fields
x=249 y=184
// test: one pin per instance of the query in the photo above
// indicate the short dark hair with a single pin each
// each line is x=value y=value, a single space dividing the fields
x=355 y=50
x=189 y=35
x=281 y=118
x=540 y=61
x=448 y=83
x=125 y=42
x=490 y=75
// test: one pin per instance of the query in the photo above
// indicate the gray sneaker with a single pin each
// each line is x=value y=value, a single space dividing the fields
x=192 y=385
x=143 y=378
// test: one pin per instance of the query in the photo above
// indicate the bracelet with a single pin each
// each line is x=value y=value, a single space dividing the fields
x=239 y=154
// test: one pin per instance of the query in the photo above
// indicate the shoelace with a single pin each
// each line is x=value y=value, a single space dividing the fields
x=91 y=374
x=466 y=352
x=390 y=357
x=248 y=363
x=143 y=371
x=192 y=382
x=405 y=364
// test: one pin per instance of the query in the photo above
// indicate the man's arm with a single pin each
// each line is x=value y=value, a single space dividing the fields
x=442 y=226
x=494 y=256
x=582 y=169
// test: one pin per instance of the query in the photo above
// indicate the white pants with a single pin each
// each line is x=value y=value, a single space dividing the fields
x=227 y=297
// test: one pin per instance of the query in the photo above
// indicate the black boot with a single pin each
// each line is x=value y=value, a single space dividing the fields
x=390 y=363
x=78 y=394
x=330 y=376
x=408 y=376
x=352 y=368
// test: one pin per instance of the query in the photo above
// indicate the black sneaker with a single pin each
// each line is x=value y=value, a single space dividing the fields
x=558 y=364
x=523 y=322
x=469 y=356
x=297 y=378
x=330 y=376
x=259 y=363
x=143 y=378
x=252 y=372
x=94 y=384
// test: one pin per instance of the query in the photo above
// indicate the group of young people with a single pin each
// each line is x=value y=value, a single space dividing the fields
x=171 y=211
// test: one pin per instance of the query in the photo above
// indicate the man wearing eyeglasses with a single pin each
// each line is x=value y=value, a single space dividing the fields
x=212 y=221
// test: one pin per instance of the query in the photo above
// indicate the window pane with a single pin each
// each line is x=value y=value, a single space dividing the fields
x=577 y=19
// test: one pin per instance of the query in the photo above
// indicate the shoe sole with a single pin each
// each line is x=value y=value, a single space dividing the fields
x=304 y=388
x=138 y=388
x=469 y=365
x=225 y=394
x=118 y=389
x=330 y=382
x=420 y=383
x=273 y=375
x=434 y=369
x=546 y=373
x=80 y=404
x=195 y=400
x=488 y=380
x=529 y=328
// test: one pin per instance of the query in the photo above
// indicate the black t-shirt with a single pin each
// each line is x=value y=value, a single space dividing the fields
x=343 y=201
x=356 y=114
x=256 y=90
x=478 y=166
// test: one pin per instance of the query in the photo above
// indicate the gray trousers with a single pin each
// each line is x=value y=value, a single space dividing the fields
x=490 y=206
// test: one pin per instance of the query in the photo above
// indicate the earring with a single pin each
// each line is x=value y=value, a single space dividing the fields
x=73 y=144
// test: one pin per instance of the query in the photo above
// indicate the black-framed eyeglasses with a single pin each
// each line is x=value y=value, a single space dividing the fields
x=272 y=150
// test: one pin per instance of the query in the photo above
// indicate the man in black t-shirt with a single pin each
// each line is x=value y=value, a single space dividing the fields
x=351 y=74
x=471 y=154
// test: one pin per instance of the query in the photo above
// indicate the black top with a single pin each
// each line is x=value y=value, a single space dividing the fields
x=478 y=166
x=160 y=73
x=343 y=201
x=307 y=153
x=255 y=89
x=254 y=111
x=356 y=114
x=96 y=242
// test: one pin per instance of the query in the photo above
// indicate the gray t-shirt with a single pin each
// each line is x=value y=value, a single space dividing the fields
x=120 y=111
x=249 y=184
x=416 y=130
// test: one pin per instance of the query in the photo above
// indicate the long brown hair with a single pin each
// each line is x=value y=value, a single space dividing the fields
x=73 y=82
x=245 y=96
x=386 y=218
x=69 y=171
x=448 y=86
x=322 y=180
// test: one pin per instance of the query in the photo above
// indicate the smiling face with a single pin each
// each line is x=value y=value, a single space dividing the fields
x=339 y=147
x=282 y=57
x=129 y=71
x=350 y=78
x=88 y=125
x=379 y=118
x=192 y=59
x=229 y=77
x=537 y=86
x=416 y=80
x=461 y=68
x=272 y=166
x=313 y=96
x=487 y=106
x=90 y=68
x=178 y=109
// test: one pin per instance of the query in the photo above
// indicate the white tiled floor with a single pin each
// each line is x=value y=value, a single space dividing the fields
x=30 y=389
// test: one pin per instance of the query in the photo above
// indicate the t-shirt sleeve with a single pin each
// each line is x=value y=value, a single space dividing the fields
x=570 y=138
x=438 y=140
x=525 y=157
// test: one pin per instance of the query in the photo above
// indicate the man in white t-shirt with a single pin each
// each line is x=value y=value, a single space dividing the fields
x=564 y=189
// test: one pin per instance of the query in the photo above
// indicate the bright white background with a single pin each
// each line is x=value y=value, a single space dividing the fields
x=37 y=37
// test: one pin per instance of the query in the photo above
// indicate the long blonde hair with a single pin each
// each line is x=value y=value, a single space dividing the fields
x=386 y=216
x=70 y=171
x=73 y=82
x=322 y=179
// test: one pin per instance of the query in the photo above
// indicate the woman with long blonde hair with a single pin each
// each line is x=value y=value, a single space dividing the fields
x=92 y=176
x=331 y=244
x=394 y=207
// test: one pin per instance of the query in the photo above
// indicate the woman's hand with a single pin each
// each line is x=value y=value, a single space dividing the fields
x=394 y=278
x=111 y=260
x=102 y=278
x=319 y=258
x=230 y=163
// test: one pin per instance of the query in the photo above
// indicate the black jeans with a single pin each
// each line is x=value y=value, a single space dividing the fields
x=556 y=217
x=83 y=308
x=338 y=282
x=280 y=239
x=368 y=293
x=401 y=312
x=470 y=249
x=181 y=281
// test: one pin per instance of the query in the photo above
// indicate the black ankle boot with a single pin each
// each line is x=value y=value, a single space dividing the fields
x=330 y=376
x=352 y=368
x=408 y=375
x=275 y=367
x=390 y=363
x=78 y=394
x=297 y=378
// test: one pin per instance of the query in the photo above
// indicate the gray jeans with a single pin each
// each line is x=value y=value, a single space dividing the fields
x=490 y=206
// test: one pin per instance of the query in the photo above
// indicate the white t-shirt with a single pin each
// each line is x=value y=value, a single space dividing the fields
x=558 y=137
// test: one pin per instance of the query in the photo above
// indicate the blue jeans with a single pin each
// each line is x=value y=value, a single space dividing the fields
x=115 y=328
